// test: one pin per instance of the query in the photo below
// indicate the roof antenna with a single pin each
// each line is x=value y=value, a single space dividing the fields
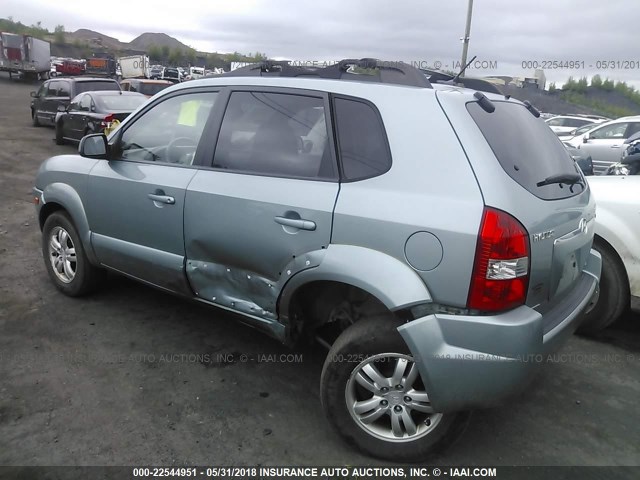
x=455 y=79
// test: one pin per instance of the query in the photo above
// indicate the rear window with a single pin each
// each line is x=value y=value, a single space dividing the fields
x=575 y=122
x=526 y=148
x=96 y=85
x=150 y=88
x=119 y=102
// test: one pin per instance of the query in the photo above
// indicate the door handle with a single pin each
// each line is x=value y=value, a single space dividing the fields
x=162 y=198
x=296 y=223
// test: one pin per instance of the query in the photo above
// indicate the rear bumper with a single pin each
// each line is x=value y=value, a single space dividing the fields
x=471 y=362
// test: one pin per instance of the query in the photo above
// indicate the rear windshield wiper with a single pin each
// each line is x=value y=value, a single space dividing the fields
x=570 y=179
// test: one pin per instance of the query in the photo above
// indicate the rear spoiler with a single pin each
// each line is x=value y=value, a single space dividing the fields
x=471 y=83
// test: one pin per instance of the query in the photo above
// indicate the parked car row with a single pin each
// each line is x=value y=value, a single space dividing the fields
x=602 y=140
x=95 y=112
x=172 y=74
x=562 y=125
x=617 y=229
x=610 y=149
x=79 y=106
x=59 y=92
x=66 y=104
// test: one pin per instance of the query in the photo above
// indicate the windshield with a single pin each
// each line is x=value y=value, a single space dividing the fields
x=95 y=85
x=586 y=128
x=526 y=148
x=119 y=102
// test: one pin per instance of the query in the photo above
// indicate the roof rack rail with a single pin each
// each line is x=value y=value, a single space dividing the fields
x=398 y=73
x=473 y=83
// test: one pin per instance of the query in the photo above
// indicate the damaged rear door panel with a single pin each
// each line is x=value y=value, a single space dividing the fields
x=264 y=211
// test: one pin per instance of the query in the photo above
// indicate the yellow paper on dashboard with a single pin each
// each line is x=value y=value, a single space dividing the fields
x=189 y=113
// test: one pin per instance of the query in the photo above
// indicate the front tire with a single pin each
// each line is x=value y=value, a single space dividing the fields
x=65 y=258
x=34 y=118
x=374 y=397
x=59 y=135
x=614 y=296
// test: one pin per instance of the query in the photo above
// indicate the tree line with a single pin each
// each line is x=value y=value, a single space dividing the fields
x=575 y=91
x=582 y=84
x=178 y=56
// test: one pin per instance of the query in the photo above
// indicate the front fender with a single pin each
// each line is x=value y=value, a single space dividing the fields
x=65 y=196
x=388 y=279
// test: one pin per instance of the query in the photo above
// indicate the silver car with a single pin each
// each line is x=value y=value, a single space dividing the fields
x=437 y=240
x=606 y=143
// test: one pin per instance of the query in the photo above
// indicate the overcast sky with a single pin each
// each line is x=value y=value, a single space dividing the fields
x=503 y=32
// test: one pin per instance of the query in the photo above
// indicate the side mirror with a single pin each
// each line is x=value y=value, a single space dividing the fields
x=62 y=108
x=94 y=146
x=585 y=139
x=34 y=94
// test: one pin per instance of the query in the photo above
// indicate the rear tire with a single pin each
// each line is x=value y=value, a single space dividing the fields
x=59 y=136
x=65 y=258
x=374 y=342
x=614 y=296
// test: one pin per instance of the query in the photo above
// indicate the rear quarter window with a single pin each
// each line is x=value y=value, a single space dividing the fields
x=526 y=148
x=362 y=141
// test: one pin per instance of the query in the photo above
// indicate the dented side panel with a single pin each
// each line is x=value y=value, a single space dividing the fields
x=242 y=290
x=238 y=255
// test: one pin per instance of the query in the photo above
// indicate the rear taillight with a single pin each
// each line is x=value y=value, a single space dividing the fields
x=501 y=267
x=108 y=119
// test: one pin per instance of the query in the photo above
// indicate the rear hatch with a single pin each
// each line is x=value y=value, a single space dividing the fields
x=517 y=161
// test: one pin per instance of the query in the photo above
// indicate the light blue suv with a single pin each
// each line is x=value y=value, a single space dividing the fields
x=436 y=239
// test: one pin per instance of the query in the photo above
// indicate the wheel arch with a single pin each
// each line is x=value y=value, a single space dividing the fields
x=62 y=197
x=350 y=268
x=617 y=234
x=602 y=243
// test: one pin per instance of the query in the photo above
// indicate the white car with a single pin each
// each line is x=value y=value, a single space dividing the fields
x=563 y=125
x=196 y=72
x=617 y=238
x=605 y=143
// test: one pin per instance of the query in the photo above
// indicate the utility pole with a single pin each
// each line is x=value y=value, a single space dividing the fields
x=465 y=39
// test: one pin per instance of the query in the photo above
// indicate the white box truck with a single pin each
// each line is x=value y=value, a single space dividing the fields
x=24 y=55
x=134 y=66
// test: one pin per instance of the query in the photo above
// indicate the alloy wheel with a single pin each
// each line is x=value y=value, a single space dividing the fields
x=386 y=398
